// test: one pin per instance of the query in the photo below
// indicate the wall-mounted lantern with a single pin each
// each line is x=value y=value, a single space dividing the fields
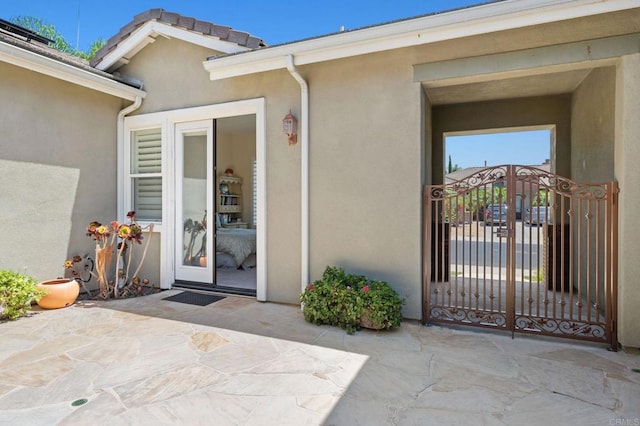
x=290 y=127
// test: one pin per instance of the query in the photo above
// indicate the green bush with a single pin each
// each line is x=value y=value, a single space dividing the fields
x=17 y=291
x=343 y=299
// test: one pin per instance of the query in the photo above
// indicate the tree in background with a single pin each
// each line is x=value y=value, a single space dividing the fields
x=451 y=168
x=59 y=42
x=91 y=51
x=541 y=198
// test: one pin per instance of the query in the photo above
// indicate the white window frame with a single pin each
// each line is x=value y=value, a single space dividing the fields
x=167 y=121
x=128 y=193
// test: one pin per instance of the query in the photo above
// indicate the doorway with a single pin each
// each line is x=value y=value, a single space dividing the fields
x=216 y=205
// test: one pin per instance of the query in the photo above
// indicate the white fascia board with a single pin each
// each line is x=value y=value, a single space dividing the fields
x=32 y=61
x=141 y=37
x=472 y=21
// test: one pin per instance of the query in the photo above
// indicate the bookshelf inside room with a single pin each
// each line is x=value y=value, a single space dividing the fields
x=230 y=201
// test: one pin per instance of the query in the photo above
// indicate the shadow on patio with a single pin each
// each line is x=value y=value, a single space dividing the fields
x=238 y=361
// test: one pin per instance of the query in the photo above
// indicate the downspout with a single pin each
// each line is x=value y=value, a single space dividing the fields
x=120 y=154
x=304 y=166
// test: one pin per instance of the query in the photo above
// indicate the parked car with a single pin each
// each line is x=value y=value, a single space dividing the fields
x=495 y=214
x=537 y=215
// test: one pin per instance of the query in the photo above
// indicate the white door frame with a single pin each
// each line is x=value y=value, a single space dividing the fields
x=168 y=120
x=184 y=272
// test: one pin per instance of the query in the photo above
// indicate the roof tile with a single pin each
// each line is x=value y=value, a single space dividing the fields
x=220 y=31
x=202 y=27
x=238 y=37
x=128 y=29
x=50 y=52
x=148 y=15
x=254 y=42
x=170 y=18
x=188 y=23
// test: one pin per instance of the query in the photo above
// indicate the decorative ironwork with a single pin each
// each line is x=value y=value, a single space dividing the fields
x=468 y=317
x=554 y=276
x=564 y=328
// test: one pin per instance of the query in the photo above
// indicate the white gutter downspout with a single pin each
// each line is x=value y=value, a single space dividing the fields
x=120 y=154
x=304 y=178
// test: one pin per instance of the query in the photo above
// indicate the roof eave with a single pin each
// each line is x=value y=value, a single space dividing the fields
x=32 y=61
x=485 y=18
x=151 y=29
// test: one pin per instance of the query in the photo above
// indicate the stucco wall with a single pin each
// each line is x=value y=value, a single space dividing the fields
x=172 y=74
x=592 y=160
x=526 y=112
x=366 y=165
x=627 y=172
x=427 y=137
x=592 y=130
x=57 y=169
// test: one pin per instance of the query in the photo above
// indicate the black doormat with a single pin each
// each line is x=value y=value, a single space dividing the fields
x=192 y=298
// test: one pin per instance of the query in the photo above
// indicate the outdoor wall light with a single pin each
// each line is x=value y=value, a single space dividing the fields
x=290 y=127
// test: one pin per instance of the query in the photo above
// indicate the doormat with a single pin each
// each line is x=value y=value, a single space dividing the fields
x=192 y=298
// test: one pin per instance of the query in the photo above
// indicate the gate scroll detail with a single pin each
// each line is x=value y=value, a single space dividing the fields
x=521 y=249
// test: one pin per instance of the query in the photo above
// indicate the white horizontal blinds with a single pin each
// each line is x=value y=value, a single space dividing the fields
x=146 y=152
x=255 y=193
x=146 y=173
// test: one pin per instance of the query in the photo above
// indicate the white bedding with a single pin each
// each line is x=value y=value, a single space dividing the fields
x=239 y=243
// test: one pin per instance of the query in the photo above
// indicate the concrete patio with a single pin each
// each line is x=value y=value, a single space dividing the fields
x=237 y=361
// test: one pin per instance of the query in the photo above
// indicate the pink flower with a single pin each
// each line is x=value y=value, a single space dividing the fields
x=310 y=287
x=365 y=288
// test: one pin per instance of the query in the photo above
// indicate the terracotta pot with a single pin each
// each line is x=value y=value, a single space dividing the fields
x=203 y=261
x=365 y=321
x=60 y=293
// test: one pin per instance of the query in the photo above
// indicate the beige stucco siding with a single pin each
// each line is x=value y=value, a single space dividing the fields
x=511 y=113
x=550 y=34
x=365 y=171
x=627 y=152
x=592 y=130
x=171 y=72
x=592 y=156
x=57 y=168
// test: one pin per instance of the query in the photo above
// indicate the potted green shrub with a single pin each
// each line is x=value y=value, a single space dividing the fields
x=17 y=292
x=351 y=302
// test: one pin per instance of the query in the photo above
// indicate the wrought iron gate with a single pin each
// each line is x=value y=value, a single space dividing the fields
x=521 y=249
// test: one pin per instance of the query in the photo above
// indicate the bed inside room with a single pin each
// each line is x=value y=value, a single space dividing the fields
x=236 y=258
x=235 y=206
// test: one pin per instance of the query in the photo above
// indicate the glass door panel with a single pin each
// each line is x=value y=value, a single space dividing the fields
x=194 y=202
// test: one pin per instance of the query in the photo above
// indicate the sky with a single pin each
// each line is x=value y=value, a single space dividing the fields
x=81 y=22
x=275 y=21
x=525 y=148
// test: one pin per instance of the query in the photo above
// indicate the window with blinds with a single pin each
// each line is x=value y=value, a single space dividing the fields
x=146 y=174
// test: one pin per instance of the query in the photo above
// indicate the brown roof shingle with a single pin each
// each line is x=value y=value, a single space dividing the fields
x=51 y=53
x=188 y=23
